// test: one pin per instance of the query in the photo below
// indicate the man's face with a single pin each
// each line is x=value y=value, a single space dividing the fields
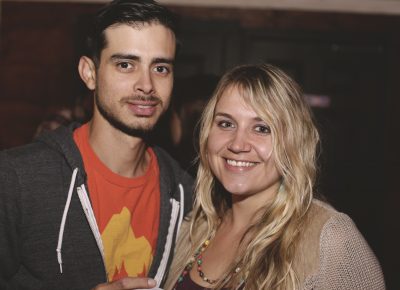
x=135 y=76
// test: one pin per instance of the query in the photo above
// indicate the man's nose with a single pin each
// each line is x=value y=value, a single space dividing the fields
x=144 y=83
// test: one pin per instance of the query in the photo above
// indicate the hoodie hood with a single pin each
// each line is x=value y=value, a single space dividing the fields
x=61 y=140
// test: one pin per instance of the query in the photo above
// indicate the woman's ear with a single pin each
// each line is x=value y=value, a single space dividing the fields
x=87 y=71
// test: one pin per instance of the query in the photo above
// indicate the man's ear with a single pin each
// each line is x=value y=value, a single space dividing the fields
x=87 y=71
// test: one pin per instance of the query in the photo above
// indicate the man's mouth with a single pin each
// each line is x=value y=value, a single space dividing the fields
x=144 y=109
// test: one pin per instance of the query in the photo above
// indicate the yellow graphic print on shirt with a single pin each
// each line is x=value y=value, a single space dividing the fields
x=127 y=211
x=125 y=254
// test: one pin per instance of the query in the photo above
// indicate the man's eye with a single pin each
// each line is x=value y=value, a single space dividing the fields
x=162 y=69
x=262 y=129
x=124 y=65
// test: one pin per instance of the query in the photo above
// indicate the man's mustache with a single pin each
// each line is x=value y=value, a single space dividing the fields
x=142 y=98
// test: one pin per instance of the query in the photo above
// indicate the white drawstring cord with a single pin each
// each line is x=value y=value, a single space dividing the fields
x=182 y=208
x=168 y=244
x=64 y=218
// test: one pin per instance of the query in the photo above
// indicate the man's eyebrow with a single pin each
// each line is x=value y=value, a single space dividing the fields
x=163 y=60
x=119 y=56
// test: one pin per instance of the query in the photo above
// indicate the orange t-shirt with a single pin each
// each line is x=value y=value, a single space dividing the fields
x=127 y=211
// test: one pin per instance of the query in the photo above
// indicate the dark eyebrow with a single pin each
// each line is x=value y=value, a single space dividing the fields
x=163 y=60
x=120 y=56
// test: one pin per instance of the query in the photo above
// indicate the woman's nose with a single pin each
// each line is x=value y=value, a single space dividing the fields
x=239 y=143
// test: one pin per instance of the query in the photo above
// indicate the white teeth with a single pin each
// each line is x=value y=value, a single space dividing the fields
x=240 y=163
x=144 y=106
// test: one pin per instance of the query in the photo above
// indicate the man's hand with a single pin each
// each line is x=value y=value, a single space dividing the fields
x=128 y=283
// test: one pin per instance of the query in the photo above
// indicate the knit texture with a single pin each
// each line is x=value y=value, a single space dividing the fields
x=331 y=254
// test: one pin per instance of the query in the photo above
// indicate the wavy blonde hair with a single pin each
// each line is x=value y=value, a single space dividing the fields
x=267 y=259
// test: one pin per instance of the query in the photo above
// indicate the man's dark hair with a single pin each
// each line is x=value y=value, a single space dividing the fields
x=131 y=12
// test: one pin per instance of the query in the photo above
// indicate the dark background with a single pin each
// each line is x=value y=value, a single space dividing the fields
x=352 y=58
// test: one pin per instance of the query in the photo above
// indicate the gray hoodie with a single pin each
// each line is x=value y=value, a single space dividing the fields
x=48 y=235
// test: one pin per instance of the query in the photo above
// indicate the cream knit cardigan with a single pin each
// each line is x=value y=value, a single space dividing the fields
x=332 y=254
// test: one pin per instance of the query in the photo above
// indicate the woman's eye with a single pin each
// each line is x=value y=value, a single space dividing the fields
x=263 y=129
x=225 y=124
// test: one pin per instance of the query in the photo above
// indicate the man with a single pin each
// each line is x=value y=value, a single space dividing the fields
x=94 y=204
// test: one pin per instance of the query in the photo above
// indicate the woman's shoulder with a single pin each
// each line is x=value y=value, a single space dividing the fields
x=321 y=208
x=327 y=230
x=318 y=214
x=333 y=248
x=308 y=246
x=328 y=225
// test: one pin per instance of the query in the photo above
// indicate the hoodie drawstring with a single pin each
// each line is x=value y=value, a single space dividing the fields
x=182 y=209
x=64 y=218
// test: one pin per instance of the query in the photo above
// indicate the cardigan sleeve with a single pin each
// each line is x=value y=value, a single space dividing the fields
x=346 y=260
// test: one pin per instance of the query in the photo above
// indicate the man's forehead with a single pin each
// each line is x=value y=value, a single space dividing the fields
x=134 y=27
x=150 y=32
x=151 y=40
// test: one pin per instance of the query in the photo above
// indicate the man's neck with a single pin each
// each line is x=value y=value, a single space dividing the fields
x=123 y=154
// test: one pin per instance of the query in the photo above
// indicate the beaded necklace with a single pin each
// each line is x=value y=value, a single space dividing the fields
x=198 y=258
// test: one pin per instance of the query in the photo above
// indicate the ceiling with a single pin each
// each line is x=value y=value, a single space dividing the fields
x=353 y=6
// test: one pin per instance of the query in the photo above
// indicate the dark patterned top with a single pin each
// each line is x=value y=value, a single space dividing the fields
x=188 y=284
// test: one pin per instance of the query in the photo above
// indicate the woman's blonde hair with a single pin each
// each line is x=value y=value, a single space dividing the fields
x=267 y=260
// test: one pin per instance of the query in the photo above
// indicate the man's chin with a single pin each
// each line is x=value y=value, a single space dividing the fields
x=140 y=126
x=137 y=130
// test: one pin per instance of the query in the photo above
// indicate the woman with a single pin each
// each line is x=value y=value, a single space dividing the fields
x=255 y=223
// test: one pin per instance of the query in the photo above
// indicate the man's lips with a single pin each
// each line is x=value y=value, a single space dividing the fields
x=143 y=108
x=144 y=102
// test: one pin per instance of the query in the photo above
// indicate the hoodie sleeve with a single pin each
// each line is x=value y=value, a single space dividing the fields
x=188 y=184
x=9 y=222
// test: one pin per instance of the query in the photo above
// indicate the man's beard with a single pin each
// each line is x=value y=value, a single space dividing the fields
x=134 y=131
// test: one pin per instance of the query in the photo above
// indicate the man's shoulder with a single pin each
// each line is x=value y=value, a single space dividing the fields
x=45 y=149
x=24 y=153
x=173 y=176
x=167 y=162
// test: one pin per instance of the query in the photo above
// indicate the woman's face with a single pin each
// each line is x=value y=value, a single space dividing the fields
x=240 y=149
